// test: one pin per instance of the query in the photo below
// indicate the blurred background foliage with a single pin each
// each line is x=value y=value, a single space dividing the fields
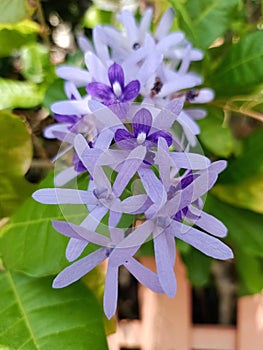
x=37 y=36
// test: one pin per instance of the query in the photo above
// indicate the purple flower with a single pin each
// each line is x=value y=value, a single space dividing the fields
x=81 y=267
x=143 y=133
x=164 y=220
x=117 y=92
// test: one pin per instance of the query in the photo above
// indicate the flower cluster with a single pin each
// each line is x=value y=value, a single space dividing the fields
x=136 y=157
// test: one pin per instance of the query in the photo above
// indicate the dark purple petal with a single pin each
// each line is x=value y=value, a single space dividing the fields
x=142 y=122
x=155 y=136
x=125 y=139
x=186 y=181
x=78 y=165
x=130 y=91
x=72 y=119
x=116 y=74
x=100 y=90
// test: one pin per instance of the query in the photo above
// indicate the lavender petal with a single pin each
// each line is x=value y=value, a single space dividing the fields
x=142 y=122
x=79 y=268
x=111 y=291
x=207 y=244
x=130 y=91
x=164 y=265
x=144 y=275
x=74 y=248
x=63 y=196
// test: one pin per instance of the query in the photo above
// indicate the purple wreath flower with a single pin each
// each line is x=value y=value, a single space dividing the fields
x=117 y=93
x=164 y=220
x=81 y=267
x=142 y=132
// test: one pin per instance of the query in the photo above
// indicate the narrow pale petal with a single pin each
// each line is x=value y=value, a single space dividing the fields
x=63 y=196
x=111 y=291
x=128 y=20
x=164 y=264
x=74 y=248
x=211 y=225
x=71 y=91
x=164 y=24
x=169 y=41
x=65 y=176
x=152 y=185
x=96 y=68
x=71 y=107
x=128 y=169
x=79 y=268
x=144 y=275
x=162 y=158
x=134 y=203
x=207 y=244
x=80 y=77
x=187 y=160
x=145 y=22
x=76 y=231
x=165 y=119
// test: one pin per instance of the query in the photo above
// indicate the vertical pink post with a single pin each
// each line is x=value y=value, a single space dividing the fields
x=166 y=323
x=250 y=323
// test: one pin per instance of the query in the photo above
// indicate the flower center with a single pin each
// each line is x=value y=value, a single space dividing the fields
x=117 y=89
x=141 y=138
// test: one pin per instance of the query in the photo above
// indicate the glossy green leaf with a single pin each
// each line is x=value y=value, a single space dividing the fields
x=204 y=21
x=34 y=316
x=241 y=70
x=244 y=226
x=94 y=15
x=14 y=36
x=55 y=92
x=198 y=267
x=250 y=272
x=245 y=194
x=15 y=159
x=21 y=94
x=36 y=66
x=215 y=136
x=30 y=244
x=12 y=11
x=249 y=163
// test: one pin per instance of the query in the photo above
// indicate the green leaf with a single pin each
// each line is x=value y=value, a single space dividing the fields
x=34 y=316
x=36 y=66
x=198 y=267
x=244 y=226
x=12 y=11
x=249 y=163
x=215 y=136
x=15 y=159
x=14 y=36
x=30 y=244
x=204 y=21
x=20 y=94
x=94 y=15
x=245 y=194
x=241 y=70
x=55 y=92
x=250 y=271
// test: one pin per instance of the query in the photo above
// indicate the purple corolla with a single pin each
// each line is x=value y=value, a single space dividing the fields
x=143 y=133
x=117 y=93
x=81 y=267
